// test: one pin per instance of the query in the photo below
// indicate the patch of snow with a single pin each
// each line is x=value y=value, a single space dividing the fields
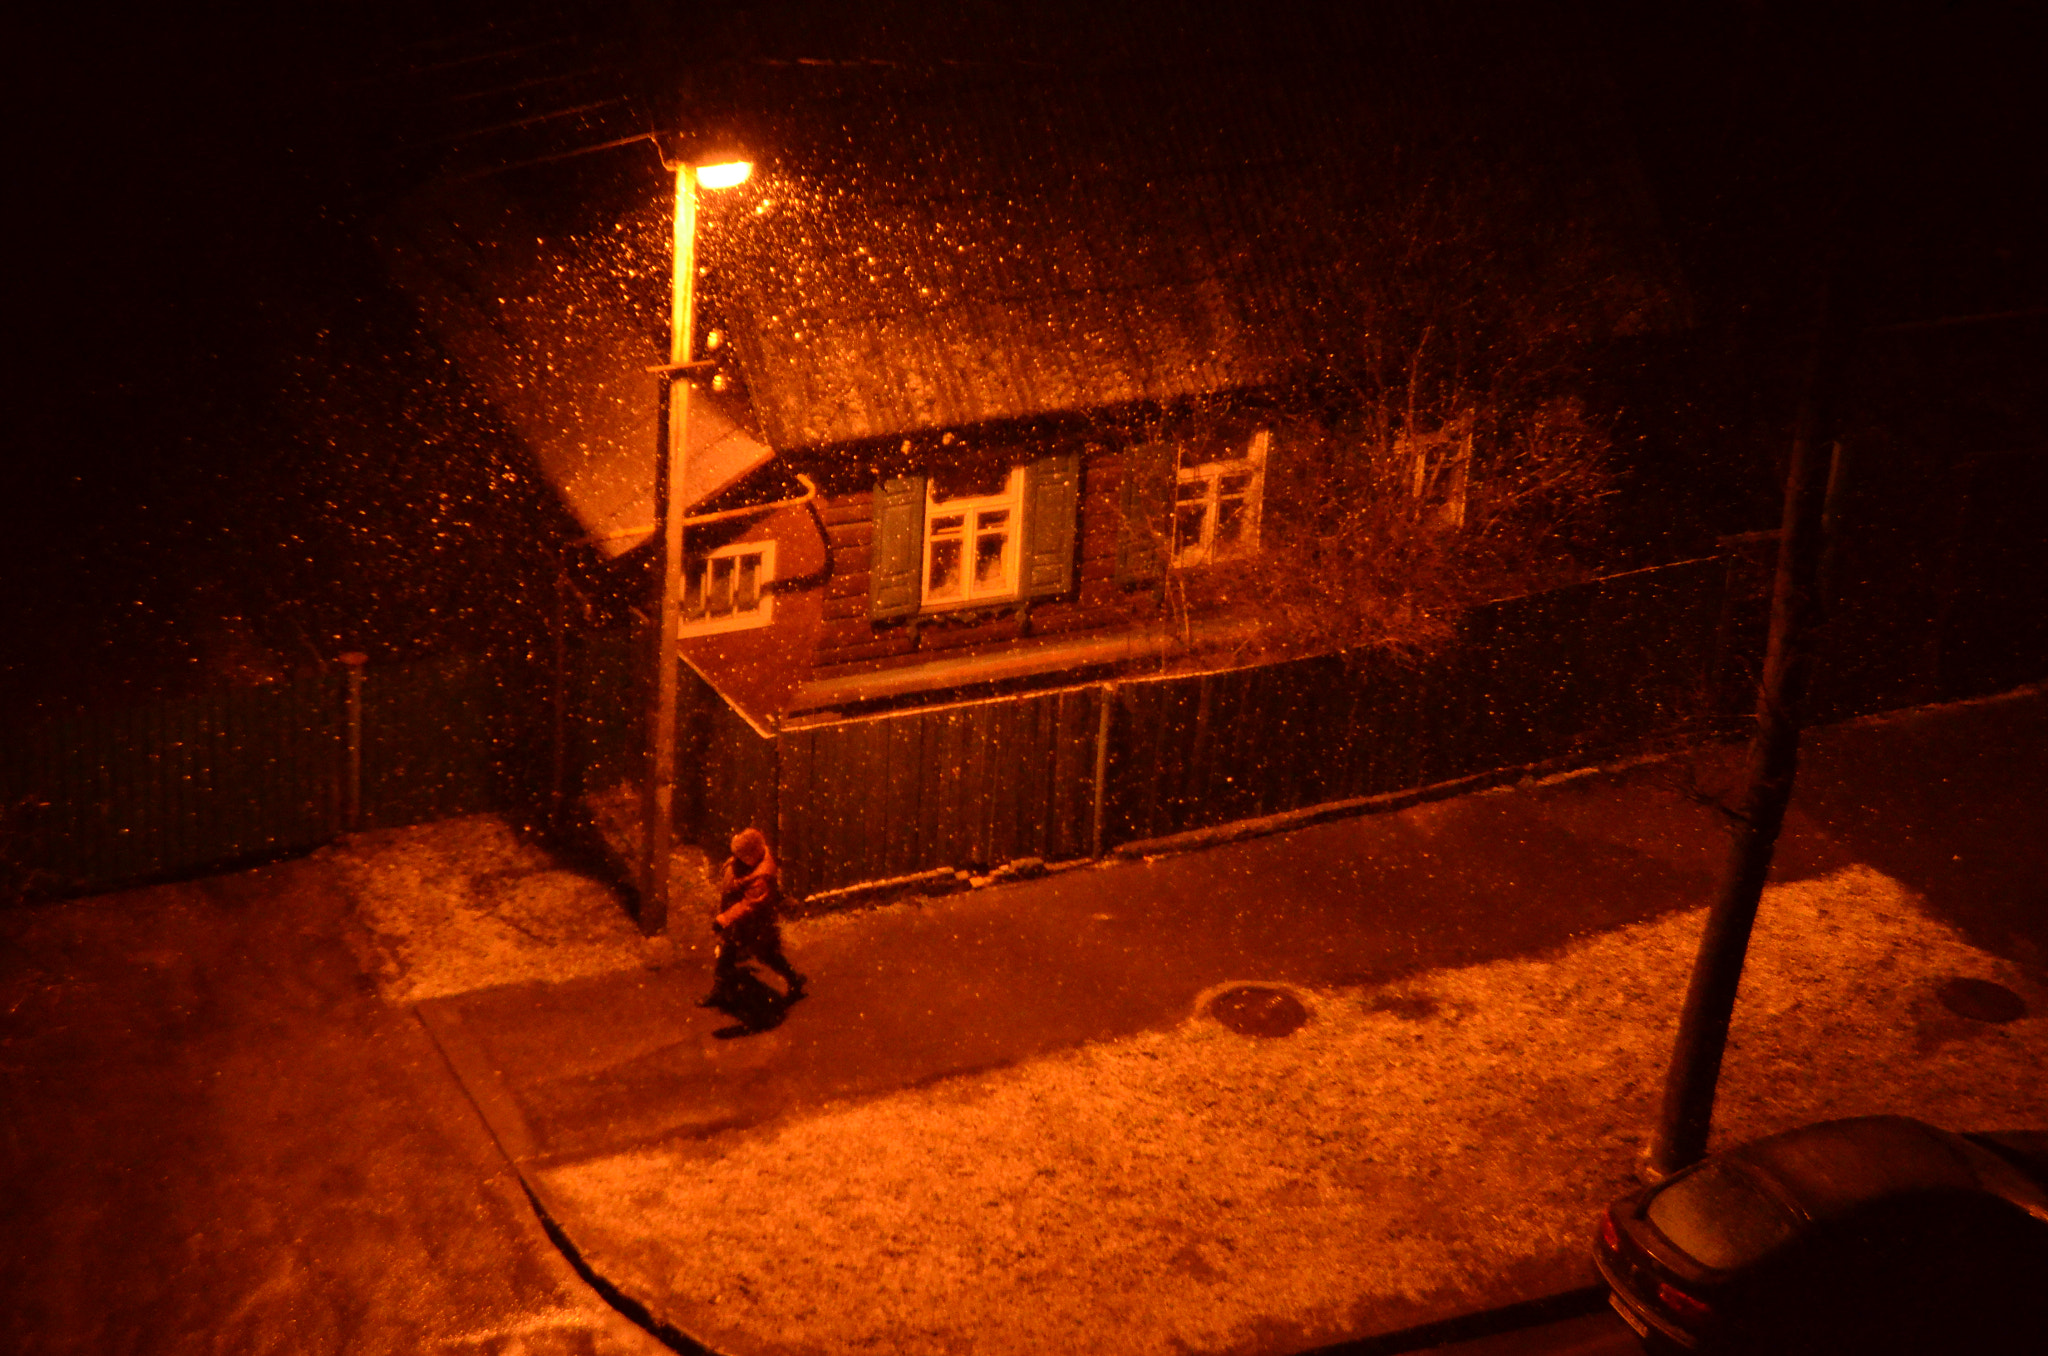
x=467 y=904
x=1200 y=1189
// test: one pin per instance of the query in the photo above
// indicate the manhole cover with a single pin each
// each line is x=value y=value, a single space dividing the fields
x=1982 y=1001
x=1254 y=1010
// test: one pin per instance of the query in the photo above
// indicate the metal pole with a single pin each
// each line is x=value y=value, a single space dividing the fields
x=1687 y=1114
x=1109 y=691
x=352 y=775
x=558 y=706
x=672 y=434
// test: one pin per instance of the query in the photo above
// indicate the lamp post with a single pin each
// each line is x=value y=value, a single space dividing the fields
x=672 y=423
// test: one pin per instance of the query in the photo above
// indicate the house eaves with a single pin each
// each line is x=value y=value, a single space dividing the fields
x=822 y=699
x=560 y=358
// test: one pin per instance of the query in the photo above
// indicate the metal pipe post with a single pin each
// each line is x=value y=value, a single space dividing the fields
x=352 y=770
x=1686 y=1117
x=672 y=434
x=1099 y=803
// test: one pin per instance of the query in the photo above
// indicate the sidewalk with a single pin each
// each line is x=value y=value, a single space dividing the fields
x=1004 y=1121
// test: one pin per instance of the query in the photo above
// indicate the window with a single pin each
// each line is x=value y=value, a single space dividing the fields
x=1010 y=538
x=728 y=589
x=1439 y=467
x=970 y=545
x=1216 y=505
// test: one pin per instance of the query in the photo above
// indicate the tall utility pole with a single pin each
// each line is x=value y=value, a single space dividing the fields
x=671 y=433
x=672 y=440
x=1796 y=603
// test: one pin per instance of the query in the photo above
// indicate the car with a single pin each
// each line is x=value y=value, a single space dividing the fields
x=1874 y=1234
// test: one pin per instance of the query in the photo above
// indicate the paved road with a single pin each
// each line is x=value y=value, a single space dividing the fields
x=906 y=994
x=216 y=1139
x=1944 y=800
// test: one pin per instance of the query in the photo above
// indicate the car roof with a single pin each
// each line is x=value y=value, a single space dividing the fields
x=1835 y=1166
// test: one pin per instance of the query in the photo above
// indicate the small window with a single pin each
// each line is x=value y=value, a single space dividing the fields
x=728 y=589
x=1216 y=505
x=971 y=545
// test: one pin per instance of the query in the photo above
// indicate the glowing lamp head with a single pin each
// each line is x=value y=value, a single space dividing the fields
x=726 y=175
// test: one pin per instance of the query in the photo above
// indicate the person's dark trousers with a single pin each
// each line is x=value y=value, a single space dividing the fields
x=762 y=942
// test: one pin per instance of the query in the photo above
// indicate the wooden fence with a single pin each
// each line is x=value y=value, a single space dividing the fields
x=100 y=799
x=1071 y=773
x=90 y=800
x=968 y=787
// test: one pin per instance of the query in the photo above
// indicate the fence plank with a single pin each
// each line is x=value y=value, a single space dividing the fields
x=948 y=825
x=794 y=808
x=1287 y=701
x=1044 y=804
x=836 y=794
x=870 y=851
x=1271 y=765
x=850 y=803
x=902 y=777
x=1322 y=746
x=1001 y=782
x=1142 y=770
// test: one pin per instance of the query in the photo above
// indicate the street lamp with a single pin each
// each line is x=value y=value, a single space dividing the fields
x=672 y=423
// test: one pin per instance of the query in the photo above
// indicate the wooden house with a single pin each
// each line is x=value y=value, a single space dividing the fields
x=1046 y=341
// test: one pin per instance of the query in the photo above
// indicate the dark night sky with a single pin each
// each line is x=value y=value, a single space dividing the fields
x=193 y=188
x=171 y=222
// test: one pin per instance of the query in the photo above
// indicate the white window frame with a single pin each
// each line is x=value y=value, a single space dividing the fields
x=704 y=569
x=1440 y=470
x=1209 y=476
x=970 y=512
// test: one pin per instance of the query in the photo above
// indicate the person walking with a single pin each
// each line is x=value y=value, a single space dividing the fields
x=747 y=924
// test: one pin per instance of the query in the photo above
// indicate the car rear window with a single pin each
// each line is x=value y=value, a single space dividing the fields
x=1720 y=1217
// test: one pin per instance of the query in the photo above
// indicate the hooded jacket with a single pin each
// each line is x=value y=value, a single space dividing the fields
x=749 y=895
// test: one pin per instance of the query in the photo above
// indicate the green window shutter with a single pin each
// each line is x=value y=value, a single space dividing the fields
x=1147 y=503
x=897 y=556
x=1052 y=494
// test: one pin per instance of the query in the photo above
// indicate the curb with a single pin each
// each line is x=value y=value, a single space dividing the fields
x=670 y=1336
x=1635 y=754
x=507 y=1128
x=1469 y=1327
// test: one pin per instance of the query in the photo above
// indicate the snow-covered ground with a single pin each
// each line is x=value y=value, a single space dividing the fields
x=1199 y=1189
x=468 y=904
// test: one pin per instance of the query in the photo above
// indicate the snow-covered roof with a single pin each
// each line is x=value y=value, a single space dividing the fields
x=982 y=244
x=543 y=331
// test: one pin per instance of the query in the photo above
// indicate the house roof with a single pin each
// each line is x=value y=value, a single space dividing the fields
x=538 y=328
x=995 y=243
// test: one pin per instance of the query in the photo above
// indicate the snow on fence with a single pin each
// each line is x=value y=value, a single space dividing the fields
x=103 y=798
x=1074 y=773
x=99 y=799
